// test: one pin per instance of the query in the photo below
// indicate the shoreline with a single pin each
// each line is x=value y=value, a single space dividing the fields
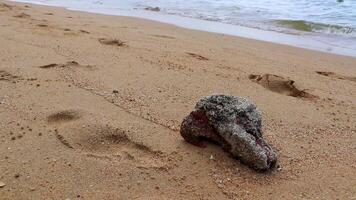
x=91 y=107
x=312 y=41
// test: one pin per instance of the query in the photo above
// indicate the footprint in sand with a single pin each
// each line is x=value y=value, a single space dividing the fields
x=67 y=31
x=42 y=25
x=113 y=42
x=334 y=75
x=6 y=76
x=64 y=116
x=5 y=7
x=22 y=15
x=67 y=64
x=49 y=66
x=84 y=31
x=164 y=36
x=280 y=85
x=197 y=56
x=109 y=144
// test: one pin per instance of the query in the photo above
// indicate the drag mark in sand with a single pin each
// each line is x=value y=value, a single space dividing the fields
x=109 y=99
x=62 y=139
x=72 y=65
x=109 y=143
x=105 y=142
x=99 y=138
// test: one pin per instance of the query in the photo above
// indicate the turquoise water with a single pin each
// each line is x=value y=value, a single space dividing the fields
x=329 y=24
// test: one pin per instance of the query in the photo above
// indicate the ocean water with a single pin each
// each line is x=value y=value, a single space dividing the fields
x=326 y=16
x=330 y=25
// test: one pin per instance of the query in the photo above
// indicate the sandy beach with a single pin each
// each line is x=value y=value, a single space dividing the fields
x=91 y=106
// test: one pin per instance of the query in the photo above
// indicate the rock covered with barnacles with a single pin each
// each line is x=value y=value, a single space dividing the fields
x=233 y=123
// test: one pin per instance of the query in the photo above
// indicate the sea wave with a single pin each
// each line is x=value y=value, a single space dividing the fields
x=307 y=26
x=235 y=16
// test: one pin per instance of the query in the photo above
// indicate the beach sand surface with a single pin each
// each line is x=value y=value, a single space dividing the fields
x=91 y=105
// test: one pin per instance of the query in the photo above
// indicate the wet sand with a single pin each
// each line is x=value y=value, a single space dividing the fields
x=90 y=108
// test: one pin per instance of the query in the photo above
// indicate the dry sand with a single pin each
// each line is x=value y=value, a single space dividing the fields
x=91 y=107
